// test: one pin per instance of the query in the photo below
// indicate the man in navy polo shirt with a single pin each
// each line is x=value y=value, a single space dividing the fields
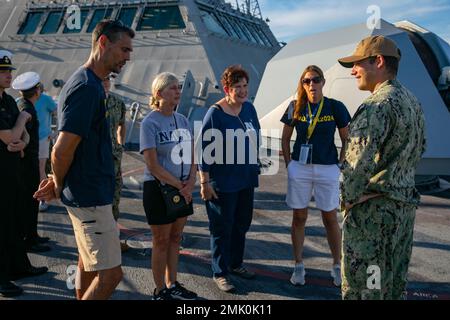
x=82 y=162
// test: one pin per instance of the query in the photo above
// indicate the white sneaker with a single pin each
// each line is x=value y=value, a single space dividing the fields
x=224 y=284
x=336 y=275
x=298 y=276
x=43 y=206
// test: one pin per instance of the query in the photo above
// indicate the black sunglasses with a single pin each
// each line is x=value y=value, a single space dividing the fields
x=316 y=80
x=109 y=26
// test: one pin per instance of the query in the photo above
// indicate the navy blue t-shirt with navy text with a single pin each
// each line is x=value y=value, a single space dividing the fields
x=334 y=114
x=82 y=111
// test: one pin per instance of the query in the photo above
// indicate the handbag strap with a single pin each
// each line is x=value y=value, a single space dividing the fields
x=179 y=141
x=182 y=164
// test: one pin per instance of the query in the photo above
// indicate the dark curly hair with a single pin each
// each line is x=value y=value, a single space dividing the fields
x=232 y=75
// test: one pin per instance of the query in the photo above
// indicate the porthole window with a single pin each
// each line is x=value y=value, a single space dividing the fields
x=126 y=15
x=160 y=18
x=98 y=16
x=31 y=23
x=53 y=22
x=83 y=15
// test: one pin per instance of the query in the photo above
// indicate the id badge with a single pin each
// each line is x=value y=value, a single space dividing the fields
x=305 y=154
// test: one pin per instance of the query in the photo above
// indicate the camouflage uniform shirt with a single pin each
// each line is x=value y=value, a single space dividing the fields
x=385 y=143
x=116 y=111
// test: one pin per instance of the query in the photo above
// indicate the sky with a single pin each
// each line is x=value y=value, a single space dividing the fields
x=291 y=19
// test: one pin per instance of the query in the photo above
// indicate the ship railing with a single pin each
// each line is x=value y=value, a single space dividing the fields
x=135 y=110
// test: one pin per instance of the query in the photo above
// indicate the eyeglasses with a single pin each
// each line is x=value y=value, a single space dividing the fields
x=316 y=80
x=109 y=26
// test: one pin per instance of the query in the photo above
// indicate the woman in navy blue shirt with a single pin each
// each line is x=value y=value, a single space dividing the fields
x=229 y=174
x=313 y=165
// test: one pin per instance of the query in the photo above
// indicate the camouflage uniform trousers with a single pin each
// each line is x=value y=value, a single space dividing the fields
x=118 y=184
x=378 y=232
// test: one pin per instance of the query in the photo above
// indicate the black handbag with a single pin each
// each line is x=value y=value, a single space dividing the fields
x=176 y=205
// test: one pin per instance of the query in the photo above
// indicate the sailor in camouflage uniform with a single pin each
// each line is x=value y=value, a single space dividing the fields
x=379 y=200
x=116 y=111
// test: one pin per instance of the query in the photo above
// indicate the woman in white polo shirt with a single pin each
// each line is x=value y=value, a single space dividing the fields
x=313 y=165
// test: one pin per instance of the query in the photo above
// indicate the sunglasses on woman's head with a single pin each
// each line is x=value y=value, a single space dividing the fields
x=307 y=81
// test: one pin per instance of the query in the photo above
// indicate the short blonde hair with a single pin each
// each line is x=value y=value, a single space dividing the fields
x=162 y=81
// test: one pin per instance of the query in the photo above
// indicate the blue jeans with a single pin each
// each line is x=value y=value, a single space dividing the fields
x=230 y=217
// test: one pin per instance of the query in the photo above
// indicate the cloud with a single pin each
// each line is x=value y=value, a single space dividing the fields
x=291 y=19
x=419 y=12
x=446 y=36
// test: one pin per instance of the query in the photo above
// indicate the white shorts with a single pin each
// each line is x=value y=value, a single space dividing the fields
x=44 y=148
x=304 y=179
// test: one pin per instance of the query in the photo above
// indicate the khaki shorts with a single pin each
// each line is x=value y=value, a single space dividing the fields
x=96 y=236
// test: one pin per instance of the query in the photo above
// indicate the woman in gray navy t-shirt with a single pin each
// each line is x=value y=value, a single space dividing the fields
x=163 y=132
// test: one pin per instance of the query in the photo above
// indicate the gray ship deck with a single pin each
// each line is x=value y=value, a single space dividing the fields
x=268 y=250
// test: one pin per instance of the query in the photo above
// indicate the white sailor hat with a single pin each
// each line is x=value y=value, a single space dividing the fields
x=26 y=81
x=5 y=60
